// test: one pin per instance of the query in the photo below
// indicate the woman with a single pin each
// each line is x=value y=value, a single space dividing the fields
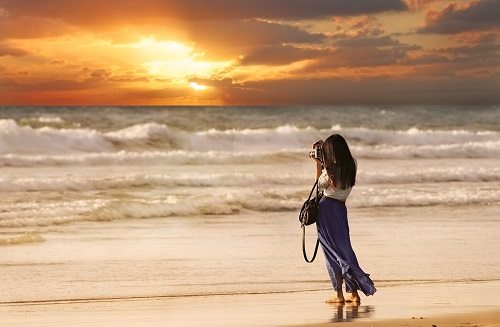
x=336 y=174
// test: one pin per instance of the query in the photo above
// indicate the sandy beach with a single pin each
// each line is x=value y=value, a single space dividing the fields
x=157 y=159
x=152 y=218
x=147 y=278
x=481 y=318
x=451 y=304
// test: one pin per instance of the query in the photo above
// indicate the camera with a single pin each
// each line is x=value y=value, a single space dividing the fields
x=316 y=152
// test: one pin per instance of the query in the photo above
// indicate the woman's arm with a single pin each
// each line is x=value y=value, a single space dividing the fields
x=319 y=168
x=319 y=165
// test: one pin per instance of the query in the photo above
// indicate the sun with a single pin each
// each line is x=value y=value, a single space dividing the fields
x=177 y=61
x=197 y=87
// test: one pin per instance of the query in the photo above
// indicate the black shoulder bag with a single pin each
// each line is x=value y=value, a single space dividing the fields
x=307 y=216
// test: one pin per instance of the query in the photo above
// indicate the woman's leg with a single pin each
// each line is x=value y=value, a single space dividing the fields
x=335 y=276
x=339 y=296
x=354 y=297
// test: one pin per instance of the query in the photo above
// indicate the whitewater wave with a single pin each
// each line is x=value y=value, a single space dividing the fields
x=176 y=157
x=257 y=180
x=31 y=214
x=23 y=238
x=181 y=157
x=55 y=213
x=151 y=137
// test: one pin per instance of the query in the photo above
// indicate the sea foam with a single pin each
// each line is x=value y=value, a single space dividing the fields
x=256 y=180
x=161 y=144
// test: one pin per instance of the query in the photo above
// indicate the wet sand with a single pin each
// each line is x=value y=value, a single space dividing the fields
x=466 y=303
x=482 y=318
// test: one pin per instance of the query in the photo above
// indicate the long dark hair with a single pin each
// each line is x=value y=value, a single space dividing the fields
x=338 y=162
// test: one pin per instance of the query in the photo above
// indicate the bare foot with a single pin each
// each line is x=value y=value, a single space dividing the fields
x=354 y=298
x=335 y=299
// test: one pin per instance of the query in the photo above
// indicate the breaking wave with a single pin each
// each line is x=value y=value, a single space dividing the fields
x=92 y=183
x=47 y=145
x=23 y=238
x=32 y=214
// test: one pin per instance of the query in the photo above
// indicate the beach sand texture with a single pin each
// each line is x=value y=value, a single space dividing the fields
x=188 y=216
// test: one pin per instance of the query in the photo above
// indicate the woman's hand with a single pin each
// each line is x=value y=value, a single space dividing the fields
x=317 y=143
x=319 y=164
x=314 y=146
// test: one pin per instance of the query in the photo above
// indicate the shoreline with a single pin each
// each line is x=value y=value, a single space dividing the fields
x=451 y=304
x=480 y=318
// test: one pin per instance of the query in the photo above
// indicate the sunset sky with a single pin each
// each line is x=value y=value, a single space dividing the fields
x=249 y=52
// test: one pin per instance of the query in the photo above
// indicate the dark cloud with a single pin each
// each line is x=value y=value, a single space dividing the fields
x=419 y=4
x=380 y=90
x=48 y=85
x=13 y=27
x=90 y=11
x=58 y=85
x=128 y=79
x=163 y=93
x=426 y=59
x=360 y=26
x=466 y=52
x=455 y=18
x=368 y=42
x=363 y=52
x=99 y=74
x=6 y=50
x=279 y=55
x=248 y=33
x=476 y=37
x=7 y=83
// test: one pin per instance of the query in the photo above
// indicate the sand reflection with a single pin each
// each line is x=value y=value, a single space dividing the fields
x=350 y=311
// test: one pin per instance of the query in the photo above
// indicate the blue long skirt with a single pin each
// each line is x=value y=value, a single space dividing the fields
x=333 y=234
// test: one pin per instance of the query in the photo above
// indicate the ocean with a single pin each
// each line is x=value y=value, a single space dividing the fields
x=135 y=202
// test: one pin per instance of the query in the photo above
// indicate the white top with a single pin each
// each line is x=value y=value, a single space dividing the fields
x=329 y=190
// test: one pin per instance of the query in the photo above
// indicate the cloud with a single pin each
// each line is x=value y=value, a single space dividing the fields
x=456 y=18
x=467 y=60
x=163 y=93
x=425 y=59
x=380 y=90
x=91 y=11
x=477 y=37
x=419 y=4
x=15 y=27
x=224 y=83
x=359 y=26
x=7 y=83
x=57 y=84
x=368 y=42
x=248 y=33
x=279 y=55
x=480 y=50
x=362 y=52
x=248 y=51
x=6 y=50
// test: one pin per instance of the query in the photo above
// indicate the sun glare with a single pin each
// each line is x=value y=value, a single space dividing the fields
x=197 y=87
x=177 y=61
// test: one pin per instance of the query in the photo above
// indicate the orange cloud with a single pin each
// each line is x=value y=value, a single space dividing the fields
x=242 y=51
x=456 y=18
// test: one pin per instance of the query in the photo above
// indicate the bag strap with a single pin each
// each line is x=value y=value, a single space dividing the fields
x=304 y=246
x=316 y=186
